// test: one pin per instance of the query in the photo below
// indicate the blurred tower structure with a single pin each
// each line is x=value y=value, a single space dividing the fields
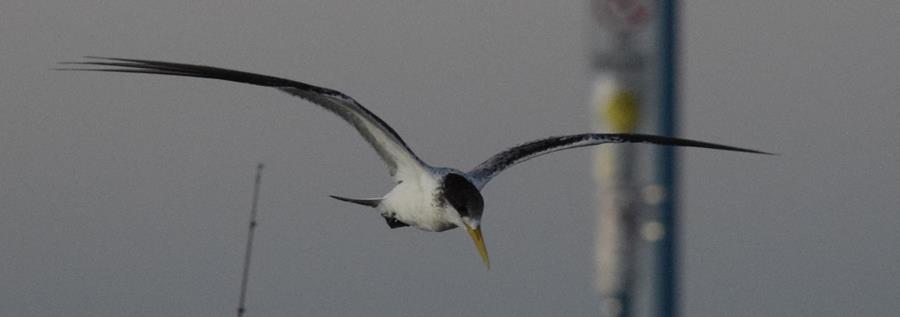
x=634 y=63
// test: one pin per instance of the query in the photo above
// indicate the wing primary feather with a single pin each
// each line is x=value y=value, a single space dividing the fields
x=387 y=142
x=485 y=171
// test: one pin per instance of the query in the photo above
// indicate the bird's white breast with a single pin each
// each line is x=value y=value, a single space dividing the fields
x=414 y=202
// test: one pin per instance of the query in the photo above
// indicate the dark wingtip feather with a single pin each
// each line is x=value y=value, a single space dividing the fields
x=729 y=148
x=670 y=141
x=736 y=149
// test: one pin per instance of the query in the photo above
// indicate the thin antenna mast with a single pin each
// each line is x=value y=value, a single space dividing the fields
x=249 y=249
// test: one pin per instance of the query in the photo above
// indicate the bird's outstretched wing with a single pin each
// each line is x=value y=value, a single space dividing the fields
x=485 y=171
x=395 y=153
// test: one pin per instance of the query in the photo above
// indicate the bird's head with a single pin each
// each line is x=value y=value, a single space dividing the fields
x=466 y=200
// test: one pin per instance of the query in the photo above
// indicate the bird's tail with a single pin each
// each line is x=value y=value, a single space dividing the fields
x=371 y=202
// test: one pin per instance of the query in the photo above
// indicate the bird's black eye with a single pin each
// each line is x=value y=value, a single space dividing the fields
x=462 y=195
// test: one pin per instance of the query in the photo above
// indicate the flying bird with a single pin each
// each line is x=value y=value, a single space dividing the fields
x=426 y=197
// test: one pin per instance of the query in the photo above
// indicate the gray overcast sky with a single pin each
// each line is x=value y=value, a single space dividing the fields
x=128 y=195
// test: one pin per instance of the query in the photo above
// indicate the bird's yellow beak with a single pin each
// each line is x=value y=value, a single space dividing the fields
x=479 y=243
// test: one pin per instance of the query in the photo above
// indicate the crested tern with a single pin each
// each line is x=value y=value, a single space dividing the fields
x=426 y=197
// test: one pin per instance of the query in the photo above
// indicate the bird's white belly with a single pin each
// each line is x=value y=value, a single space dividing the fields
x=414 y=203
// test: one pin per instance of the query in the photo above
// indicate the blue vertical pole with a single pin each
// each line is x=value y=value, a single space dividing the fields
x=667 y=267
